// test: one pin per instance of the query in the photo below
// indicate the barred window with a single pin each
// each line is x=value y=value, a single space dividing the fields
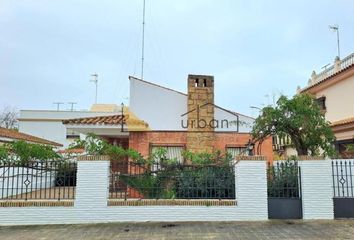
x=173 y=152
x=321 y=103
x=237 y=151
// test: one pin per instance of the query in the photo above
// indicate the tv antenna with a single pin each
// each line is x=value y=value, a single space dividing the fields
x=325 y=66
x=58 y=105
x=143 y=43
x=335 y=28
x=95 y=81
x=72 y=105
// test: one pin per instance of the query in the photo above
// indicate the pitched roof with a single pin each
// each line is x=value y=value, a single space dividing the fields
x=166 y=88
x=99 y=120
x=130 y=120
x=13 y=134
x=157 y=85
x=343 y=122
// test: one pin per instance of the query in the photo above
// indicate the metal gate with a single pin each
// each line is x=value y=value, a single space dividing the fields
x=284 y=190
x=343 y=188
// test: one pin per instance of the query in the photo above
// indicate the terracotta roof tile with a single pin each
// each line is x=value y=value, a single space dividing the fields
x=73 y=150
x=129 y=120
x=13 y=134
x=99 y=120
x=343 y=122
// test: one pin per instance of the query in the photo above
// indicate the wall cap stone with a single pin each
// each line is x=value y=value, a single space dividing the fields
x=172 y=202
x=303 y=158
x=37 y=203
x=93 y=158
x=251 y=158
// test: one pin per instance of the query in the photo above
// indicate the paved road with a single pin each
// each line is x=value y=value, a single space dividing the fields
x=338 y=229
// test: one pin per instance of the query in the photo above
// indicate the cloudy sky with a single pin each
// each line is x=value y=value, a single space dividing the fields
x=255 y=49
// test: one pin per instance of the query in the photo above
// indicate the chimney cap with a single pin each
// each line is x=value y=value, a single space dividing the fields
x=194 y=76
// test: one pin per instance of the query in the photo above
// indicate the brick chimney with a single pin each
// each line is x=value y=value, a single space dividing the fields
x=200 y=135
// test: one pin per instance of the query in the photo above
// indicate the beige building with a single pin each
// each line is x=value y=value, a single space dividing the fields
x=334 y=90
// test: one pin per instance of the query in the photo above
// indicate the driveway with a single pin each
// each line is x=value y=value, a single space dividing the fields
x=337 y=229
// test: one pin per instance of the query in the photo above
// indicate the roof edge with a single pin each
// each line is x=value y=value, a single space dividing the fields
x=170 y=89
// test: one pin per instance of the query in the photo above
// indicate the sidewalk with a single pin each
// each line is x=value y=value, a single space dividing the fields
x=337 y=229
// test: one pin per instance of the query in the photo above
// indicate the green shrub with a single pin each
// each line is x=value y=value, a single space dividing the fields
x=209 y=176
x=24 y=152
x=214 y=182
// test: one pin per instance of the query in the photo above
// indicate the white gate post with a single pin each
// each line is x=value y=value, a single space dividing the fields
x=317 y=191
x=251 y=187
x=92 y=182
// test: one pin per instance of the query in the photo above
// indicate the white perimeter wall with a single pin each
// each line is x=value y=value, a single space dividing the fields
x=251 y=194
x=92 y=192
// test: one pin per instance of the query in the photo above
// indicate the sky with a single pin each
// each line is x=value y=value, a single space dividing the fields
x=256 y=50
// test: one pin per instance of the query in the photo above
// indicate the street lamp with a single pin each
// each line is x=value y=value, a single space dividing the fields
x=250 y=147
x=254 y=107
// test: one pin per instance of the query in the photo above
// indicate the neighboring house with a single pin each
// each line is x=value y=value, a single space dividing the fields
x=282 y=146
x=161 y=117
x=333 y=88
x=48 y=124
x=9 y=135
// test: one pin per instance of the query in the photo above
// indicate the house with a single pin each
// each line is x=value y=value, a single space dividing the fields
x=158 y=116
x=10 y=135
x=48 y=124
x=333 y=89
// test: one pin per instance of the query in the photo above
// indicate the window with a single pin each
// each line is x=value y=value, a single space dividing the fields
x=173 y=152
x=237 y=151
x=321 y=103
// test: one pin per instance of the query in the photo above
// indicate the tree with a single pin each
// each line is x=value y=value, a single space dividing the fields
x=301 y=119
x=8 y=118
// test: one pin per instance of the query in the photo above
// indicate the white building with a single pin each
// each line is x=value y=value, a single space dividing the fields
x=48 y=124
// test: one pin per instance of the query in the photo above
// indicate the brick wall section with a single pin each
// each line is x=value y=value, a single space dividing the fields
x=266 y=149
x=317 y=192
x=141 y=141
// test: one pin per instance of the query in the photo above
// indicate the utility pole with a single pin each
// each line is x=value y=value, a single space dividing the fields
x=95 y=81
x=58 y=105
x=143 y=43
x=335 y=28
x=72 y=105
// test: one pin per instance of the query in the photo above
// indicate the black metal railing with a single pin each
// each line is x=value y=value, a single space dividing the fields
x=159 y=181
x=284 y=180
x=342 y=175
x=38 y=180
